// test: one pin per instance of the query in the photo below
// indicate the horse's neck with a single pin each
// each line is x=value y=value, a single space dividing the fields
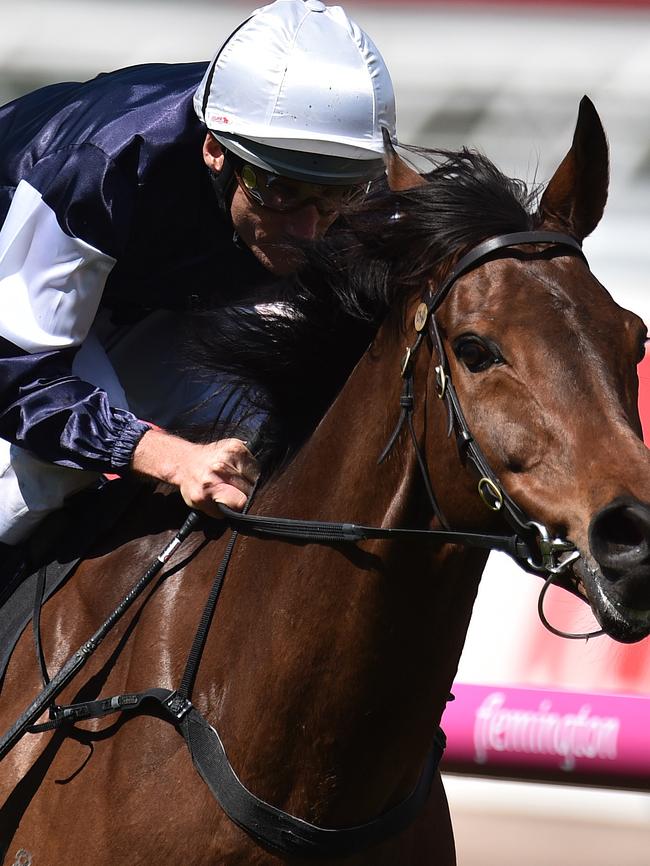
x=336 y=646
x=336 y=474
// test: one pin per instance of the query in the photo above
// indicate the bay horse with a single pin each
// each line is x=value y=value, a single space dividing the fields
x=327 y=666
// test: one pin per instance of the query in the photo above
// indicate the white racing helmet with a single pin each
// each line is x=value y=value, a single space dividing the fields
x=300 y=90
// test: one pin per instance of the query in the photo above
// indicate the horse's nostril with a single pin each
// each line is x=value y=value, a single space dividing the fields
x=621 y=529
x=620 y=534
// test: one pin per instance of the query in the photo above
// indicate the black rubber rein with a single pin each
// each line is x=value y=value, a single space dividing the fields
x=321 y=532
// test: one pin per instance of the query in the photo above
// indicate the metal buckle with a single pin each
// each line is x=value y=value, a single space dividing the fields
x=487 y=488
x=177 y=706
x=550 y=550
x=441 y=381
x=406 y=362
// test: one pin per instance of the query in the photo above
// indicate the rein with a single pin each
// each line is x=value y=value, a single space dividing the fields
x=530 y=544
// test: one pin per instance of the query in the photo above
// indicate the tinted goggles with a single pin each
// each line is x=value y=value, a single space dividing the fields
x=282 y=194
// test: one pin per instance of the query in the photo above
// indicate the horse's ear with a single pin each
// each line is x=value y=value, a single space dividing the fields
x=400 y=175
x=575 y=197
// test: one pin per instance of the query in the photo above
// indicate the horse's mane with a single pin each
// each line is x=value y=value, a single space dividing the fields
x=292 y=357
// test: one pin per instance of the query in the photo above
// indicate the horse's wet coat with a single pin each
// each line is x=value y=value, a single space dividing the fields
x=327 y=668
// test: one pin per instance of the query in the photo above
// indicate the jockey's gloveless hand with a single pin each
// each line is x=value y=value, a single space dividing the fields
x=223 y=471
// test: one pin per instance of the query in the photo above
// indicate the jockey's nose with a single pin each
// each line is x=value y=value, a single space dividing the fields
x=304 y=223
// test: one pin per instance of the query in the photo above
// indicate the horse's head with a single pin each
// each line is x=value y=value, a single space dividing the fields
x=544 y=364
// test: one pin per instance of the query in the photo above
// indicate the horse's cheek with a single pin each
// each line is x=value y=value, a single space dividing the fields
x=512 y=442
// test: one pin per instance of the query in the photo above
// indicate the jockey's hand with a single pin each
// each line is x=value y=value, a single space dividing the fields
x=223 y=471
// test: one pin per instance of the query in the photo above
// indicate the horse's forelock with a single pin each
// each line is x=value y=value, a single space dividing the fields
x=399 y=238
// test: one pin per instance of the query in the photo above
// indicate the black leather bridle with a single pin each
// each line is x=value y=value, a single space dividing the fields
x=536 y=550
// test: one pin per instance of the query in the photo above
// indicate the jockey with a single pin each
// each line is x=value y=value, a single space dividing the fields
x=112 y=228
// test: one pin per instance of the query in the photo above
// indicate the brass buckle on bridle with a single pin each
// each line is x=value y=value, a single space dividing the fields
x=490 y=493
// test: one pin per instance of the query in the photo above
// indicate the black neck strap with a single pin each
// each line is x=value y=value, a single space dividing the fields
x=268 y=825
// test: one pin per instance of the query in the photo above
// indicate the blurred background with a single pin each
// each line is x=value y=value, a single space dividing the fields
x=505 y=78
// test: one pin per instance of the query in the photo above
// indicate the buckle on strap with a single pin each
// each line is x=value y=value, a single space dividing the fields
x=405 y=369
x=490 y=493
x=441 y=381
x=177 y=706
x=555 y=554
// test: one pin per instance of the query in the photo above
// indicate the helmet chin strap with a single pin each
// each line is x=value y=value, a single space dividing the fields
x=223 y=183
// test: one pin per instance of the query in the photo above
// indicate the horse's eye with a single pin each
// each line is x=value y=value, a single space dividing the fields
x=475 y=353
x=643 y=348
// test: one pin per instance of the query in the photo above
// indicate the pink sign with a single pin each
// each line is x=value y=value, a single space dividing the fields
x=643 y=371
x=549 y=733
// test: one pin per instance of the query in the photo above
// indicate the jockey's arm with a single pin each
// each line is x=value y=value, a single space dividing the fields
x=49 y=305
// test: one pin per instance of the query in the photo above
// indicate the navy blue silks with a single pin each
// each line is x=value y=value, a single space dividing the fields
x=116 y=165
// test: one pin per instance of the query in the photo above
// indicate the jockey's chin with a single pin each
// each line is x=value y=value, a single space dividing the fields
x=277 y=238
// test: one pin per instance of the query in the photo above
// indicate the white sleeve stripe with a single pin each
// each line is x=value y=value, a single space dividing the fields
x=50 y=284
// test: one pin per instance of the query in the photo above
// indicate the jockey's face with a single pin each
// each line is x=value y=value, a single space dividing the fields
x=268 y=233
